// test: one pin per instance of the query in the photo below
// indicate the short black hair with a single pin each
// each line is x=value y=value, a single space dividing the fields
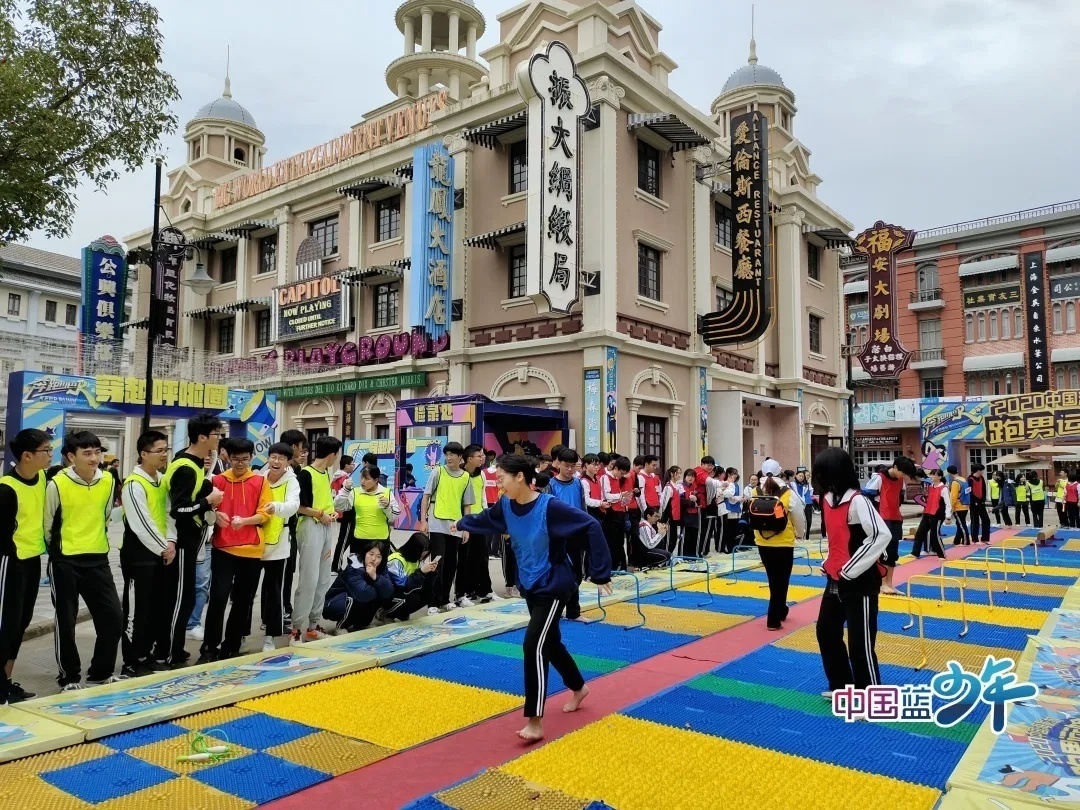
x=974 y=467
x=908 y=468
x=28 y=441
x=543 y=457
x=294 y=438
x=472 y=450
x=203 y=424
x=557 y=450
x=241 y=446
x=76 y=440
x=512 y=465
x=650 y=511
x=590 y=458
x=369 y=458
x=345 y=461
x=603 y=458
x=370 y=472
x=731 y=471
x=622 y=463
x=834 y=472
x=408 y=467
x=639 y=461
x=455 y=448
x=281 y=449
x=951 y=469
x=326 y=446
x=568 y=456
x=225 y=446
x=149 y=439
x=542 y=480
x=649 y=459
x=708 y=460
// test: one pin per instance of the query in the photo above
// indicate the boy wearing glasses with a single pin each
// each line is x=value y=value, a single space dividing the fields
x=22 y=542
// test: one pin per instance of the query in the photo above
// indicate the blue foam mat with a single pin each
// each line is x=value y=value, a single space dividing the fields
x=259 y=777
x=611 y=642
x=975 y=594
x=108 y=777
x=427 y=803
x=261 y=731
x=988 y=635
x=868 y=747
x=689 y=600
x=143 y=736
x=997 y=574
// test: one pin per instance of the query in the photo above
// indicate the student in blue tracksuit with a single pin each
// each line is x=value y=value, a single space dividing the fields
x=566 y=488
x=360 y=589
x=541 y=527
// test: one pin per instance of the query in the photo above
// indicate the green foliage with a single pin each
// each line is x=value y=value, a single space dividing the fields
x=82 y=96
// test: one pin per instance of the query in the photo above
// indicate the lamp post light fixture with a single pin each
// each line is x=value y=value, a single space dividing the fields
x=200 y=281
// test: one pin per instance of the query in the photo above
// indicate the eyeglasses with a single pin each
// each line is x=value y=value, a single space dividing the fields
x=48 y=450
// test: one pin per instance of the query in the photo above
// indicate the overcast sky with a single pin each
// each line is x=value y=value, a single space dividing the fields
x=921 y=112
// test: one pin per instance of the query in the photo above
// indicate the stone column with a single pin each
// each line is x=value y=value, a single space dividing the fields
x=702 y=289
x=284 y=219
x=676 y=451
x=789 y=283
x=455 y=19
x=633 y=405
x=470 y=42
x=369 y=426
x=455 y=85
x=240 y=341
x=410 y=36
x=403 y=87
x=425 y=30
x=422 y=83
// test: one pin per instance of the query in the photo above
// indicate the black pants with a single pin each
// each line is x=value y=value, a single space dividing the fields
x=778 y=562
x=408 y=602
x=144 y=605
x=543 y=645
x=273 y=596
x=474 y=576
x=446 y=546
x=710 y=531
x=808 y=516
x=237 y=577
x=1072 y=514
x=645 y=557
x=346 y=526
x=357 y=615
x=615 y=534
x=855 y=664
x=1001 y=512
x=576 y=550
x=1037 y=508
x=962 y=536
x=290 y=572
x=1021 y=508
x=928 y=533
x=94 y=585
x=892 y=551
x=19 y=580
x=674 y=535
x=980 y=523
x=179 y=599
x=1060 y=513
x=690 y=540
x=509 y=563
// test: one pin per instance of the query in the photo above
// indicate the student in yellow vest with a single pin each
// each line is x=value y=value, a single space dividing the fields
x=995 y=497
x=1022 y=498
x=1059 y=496
x=146 y=551
x=412 y=571
x=277 y=539
x=190 y=496
x=1037 y=496
x=22 y=542
x=474 y=573
x=777 y=547
x=447 y=496
x=315 y=536
x=375 y=511
x=78 y=502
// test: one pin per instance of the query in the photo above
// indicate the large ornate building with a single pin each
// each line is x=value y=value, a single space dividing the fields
x=322 y=261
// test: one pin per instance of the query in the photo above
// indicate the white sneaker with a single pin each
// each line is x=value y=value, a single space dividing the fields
x=268 y=644
x=196 y=633
x=110 y=679
x=432 y=611
x=72 y=687
x=494 y=597
x=466 y=602
x=448 y=608
x=827 y=695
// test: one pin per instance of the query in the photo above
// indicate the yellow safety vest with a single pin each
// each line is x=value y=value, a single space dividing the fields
x=410 y=568
x=371 y=522
x=322 y=496
x=995 y=489
x=787 y=536
x=157 y=499
x=200 y=476
x=83 y=509
x=449 y=494
x=1021 y=493
x=271 y=530
x=1059 y=493
x=479 y=497
x=29 y=534
x=1037 y=492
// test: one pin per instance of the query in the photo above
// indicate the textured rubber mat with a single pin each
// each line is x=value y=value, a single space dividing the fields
x=260 y=777
x=978 y=572
x=497 y=789
x=667 y=619
x=183 y=792
x=720 y=602
x=109 y=777
x=1008 y=616
x=983 y=634
x=975 y=562
x=514 y=652
x=975 y=594
x=614 y=643
x=355 y=706
x=630 y=762
x=212 y=718
x=428 y=803
x=754 y=590
x=868 y=747
x=330 y=753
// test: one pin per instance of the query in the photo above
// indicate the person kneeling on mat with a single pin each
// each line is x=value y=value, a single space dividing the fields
x=412 y=572
x=649 y=551
x=359 y=590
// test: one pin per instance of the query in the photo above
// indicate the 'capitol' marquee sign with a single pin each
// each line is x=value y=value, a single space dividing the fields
x=393 y=126
x=305 y=309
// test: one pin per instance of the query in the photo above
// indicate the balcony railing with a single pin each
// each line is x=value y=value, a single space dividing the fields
x=922 y=355
x=1001 y=219
x=922 y=296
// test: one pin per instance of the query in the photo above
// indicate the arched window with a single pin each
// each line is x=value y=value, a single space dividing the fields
x=1008 y=383
x=1070 y=317
x=1006 y=324
x=928 y=278
x=1060 y=378
x=1018 y=322
x=239 y=155
x=1057 y=319
x=982 y=326
x=1074 y=377
x=993 y=326
x=973 y=386
x=186 y=207
x=969 y=328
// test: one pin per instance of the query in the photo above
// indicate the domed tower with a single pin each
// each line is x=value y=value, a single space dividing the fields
x=755 y=86
x=223 y=138
x=442 y=29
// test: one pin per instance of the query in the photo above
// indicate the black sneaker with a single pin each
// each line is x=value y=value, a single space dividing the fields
x=133 y=671
x=16 y=694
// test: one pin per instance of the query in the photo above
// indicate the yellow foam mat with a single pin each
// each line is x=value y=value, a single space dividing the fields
x=977 y=563
x=615 y=759
x=26 y=734
x=905 y=650
x=21 y=788
x=757 y=590
x=356 y=706
x=212 y=718
x=668 y=619
x=977 y=581
x=330 y=753
x=1071 y=545
x=186 y=793
x=950 y=609
x=497 y=789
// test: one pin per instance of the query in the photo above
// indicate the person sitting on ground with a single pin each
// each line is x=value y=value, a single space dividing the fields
x=648 y=548
x=411 y=570
x=358 y=590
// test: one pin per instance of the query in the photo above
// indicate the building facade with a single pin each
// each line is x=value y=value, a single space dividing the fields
x=961 y=303
x=324 y=269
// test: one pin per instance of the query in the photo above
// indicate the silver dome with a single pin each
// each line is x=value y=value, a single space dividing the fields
x=225 y=108
x=752 y=74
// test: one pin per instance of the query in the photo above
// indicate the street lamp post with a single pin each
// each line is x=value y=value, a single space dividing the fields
x=849 y=348
x=155 y=302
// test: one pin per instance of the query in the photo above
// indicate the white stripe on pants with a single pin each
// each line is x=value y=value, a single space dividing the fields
x=314 y=548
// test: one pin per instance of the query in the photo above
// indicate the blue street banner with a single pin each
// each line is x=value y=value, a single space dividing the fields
x=104 y=287
x=431 y=283
x=593 y=405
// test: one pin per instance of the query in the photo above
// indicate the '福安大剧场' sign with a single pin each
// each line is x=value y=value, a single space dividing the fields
x=386 y=382
x=310 y=308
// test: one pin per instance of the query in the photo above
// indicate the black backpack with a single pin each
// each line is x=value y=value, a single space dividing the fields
x=767 y=514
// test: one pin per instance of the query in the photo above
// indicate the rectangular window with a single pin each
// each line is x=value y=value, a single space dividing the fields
x=388 y=219
x=262 y=328
x=723 y=298
x=933 y=387
x=67 y=370
x=225 y=335
x=518 y=268
x=650 y=436
x=519 y=166
x=14 y=304
x=268 y=254
x=50 y=312
x=815 y=334
x=227 y=260
x=325 y=232
x=47 y=368
x=930 y=333
x=386 y=305
x=648 y=168
x=648 y=272
x=382 y=432
x=71 y=313
x=313 y=435
x=723 y=224
x=813 y=262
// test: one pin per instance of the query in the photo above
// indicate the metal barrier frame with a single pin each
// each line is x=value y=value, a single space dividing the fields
x=671 y=578
x=1003 y=549
x=989 y=579
x=1024 y=542
x=734 y=551
x=637 y=600
x=941 y=579
x=922 y=635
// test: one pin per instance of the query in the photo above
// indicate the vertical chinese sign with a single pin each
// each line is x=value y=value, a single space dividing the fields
x=884 y=355
x=593 y=408
x=703 y=403
x=1035 y=305
x=172 y=246
x=611 y=399
x=103 y=290
x=749 y=314
x=348 y=416
x=558 y=99
x=430 y=291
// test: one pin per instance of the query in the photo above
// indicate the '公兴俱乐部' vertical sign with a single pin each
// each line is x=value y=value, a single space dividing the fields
x=558 y=99
x=748 y=316
x=1035 y=311
x=430 y=284
x=103 y=288
x=884 y=355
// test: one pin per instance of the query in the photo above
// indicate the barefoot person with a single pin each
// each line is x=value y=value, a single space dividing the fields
x=541 y=528
x=889 y=486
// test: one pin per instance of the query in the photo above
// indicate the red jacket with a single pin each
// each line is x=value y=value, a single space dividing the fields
x=701 y=486
x=241 y=500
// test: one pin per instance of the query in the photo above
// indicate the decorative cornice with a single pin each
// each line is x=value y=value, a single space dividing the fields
x=455 y=142
x=791 y=215
x=603 y=88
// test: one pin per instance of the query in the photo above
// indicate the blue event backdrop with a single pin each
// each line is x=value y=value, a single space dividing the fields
x=431 y=279
x=42 y=401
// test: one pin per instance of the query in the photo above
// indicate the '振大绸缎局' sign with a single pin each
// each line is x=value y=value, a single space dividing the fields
x=386 y=382
x=305 y=309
